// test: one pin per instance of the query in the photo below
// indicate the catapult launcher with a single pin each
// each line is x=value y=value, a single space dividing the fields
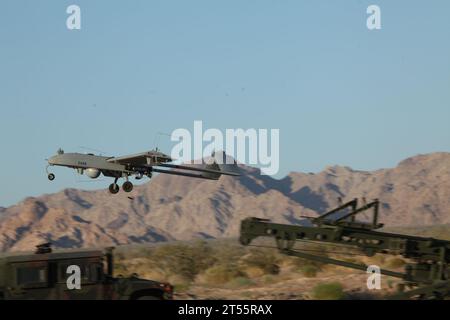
x=426 y=274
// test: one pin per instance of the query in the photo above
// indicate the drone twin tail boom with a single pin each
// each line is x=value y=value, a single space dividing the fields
x=138 y=165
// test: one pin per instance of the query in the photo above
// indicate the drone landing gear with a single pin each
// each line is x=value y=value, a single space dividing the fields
x=127 y=186
x=50 y=175
x=114 y=187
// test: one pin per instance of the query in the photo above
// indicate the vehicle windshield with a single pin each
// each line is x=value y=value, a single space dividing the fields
x=32 y=276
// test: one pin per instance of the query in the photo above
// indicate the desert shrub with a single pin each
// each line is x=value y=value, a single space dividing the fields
x=181 y=287
x=395 y=263
x=240 y=282
x=221 y=274
x=120 y=269
x=390 y=283
x=328 y=291
x=265 y=260
x=378 y=259
x=315 y=249
x=253 y=272
x=309 y=271
x=268 y=279
x=226 y=253
x=119 y=256
x=183 y=260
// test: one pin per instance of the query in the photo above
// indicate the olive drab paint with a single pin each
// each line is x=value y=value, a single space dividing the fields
x=72 y=275
x=426 y=270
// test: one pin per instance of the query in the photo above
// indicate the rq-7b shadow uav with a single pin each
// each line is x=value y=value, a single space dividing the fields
x=140 y=165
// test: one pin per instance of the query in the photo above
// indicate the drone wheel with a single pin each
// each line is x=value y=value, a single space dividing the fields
x=127 y=186
x=114 y=188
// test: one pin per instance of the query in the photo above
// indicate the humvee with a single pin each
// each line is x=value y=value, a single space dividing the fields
x=43 y=275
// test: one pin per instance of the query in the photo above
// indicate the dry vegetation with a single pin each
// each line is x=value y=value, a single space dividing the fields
x=223 y=269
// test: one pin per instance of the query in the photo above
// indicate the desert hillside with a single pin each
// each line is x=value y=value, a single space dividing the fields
x=415 y=193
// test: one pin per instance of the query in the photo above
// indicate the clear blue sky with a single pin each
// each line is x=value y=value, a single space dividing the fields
x=339 y=93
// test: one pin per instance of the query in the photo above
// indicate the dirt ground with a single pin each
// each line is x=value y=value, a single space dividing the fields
x=224 y=270
x=300 y=288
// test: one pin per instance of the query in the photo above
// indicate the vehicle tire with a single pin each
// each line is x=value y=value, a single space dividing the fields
x=114 y=188
x=127 y=186
x=51 y=177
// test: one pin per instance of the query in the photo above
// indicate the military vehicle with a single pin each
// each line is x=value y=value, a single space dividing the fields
x=44 y=274
x=426 y=274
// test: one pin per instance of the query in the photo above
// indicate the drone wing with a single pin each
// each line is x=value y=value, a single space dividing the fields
x=210 y=171
x=149 y=158
x=219 y=164
x=159 y=162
